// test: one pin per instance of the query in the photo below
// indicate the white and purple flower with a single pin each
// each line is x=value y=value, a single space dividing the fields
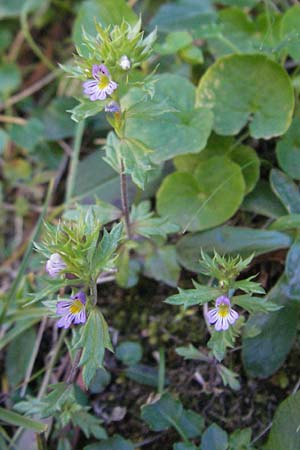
x=55 y=265
x=101 y=86
x=222 y=316
x=72 y=311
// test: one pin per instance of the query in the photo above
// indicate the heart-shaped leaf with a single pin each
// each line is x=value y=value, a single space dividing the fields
x=285 y=429
x=247 y=88
x=290 y=25
x=204 y=200
x=288 y=151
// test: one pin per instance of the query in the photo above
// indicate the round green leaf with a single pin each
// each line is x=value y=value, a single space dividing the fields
x=285 y=429
x=10 y=79
x=247 y=88
x=203 y=200
x=181 y=129
x=129 y=352
x=242 y=155
x=14 y=8
x=249 y=163
x=237 y=33
x=290 y=26
x=174 y=42
x=182 y=15
x=27 y=136
x=5 y=38
x=288 y=151
x=241 y=3
x=4 y=139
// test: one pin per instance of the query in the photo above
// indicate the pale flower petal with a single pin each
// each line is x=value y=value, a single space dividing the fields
x=72 y=311
x=222 y=316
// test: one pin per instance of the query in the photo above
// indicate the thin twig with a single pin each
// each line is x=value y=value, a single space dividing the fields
x=33 y=356
x=30 y=90
x=66 y=147
x=16 y=46
x=34 y=47
x=10 y=119
x=51 y=364
x=260 y=435
x=297 y=385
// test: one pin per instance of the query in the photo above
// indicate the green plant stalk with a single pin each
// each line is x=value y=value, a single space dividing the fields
x=74 y=161
x=124 y=199
x=41 y=442
x=34 y=47
x=33 y=356
x=14 y=418
x=161 y=370
x=14 y=288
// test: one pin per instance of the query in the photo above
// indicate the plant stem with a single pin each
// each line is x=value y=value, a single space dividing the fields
x=33 y=356
x=74 y=161
x=124 y=198
x=94 y=292
x=161 y=370
x=34 y=47
x=72 y=374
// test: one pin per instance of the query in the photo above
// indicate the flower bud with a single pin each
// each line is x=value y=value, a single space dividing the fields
x=112 y=107
x=124 y=62
x=55 y=265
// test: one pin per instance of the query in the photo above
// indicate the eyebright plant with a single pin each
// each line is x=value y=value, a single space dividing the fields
x=234 y=299
x=79 y=253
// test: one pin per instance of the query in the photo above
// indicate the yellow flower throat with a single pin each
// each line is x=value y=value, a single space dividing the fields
x=76 y=307
x=223 y=310
x=103 y=82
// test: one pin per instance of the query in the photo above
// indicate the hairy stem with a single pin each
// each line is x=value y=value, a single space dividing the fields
x=74 y=161
x=72 y=374
x=124 y=198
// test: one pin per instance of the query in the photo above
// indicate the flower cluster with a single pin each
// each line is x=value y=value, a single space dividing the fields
x=73 y=309
x=107 y=69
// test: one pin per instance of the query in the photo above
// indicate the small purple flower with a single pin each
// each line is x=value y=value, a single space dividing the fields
x=222 y=315
x=124 y=62
x=112 y=107
x=72 y=310
x=101 y=86
x=55 y=265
